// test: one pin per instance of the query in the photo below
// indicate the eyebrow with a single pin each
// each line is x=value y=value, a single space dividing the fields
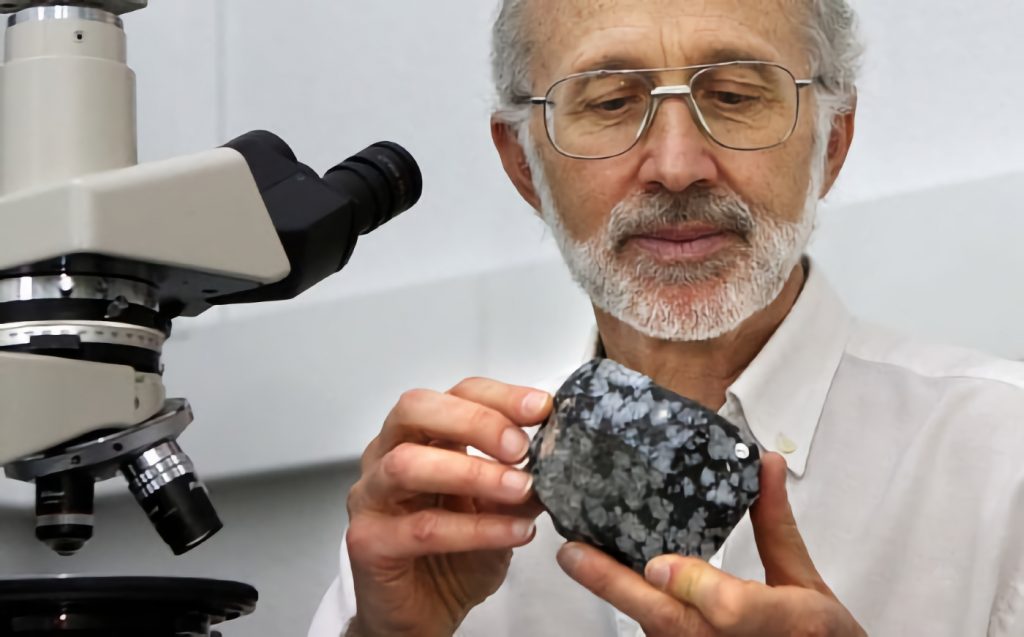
x=717 y=55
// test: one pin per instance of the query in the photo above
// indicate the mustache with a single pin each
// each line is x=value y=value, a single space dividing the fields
x=649 y=212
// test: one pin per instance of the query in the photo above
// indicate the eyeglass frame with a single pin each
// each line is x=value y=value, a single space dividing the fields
x=659 y=93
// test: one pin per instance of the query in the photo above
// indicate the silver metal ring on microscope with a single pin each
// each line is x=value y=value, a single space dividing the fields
x=91 y=288
x=41 y=14
x=14 y=334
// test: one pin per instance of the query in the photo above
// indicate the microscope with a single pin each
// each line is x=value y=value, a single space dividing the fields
x=98 y=255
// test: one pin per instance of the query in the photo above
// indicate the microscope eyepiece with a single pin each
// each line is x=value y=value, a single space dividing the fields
x=319 y=220
x=383 y=178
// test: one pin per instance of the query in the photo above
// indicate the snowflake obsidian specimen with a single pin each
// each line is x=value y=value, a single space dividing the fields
x=639 y=471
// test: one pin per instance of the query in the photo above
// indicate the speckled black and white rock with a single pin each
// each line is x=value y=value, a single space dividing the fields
x=639 y=471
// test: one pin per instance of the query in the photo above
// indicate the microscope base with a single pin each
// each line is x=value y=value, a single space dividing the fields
x=120 y=606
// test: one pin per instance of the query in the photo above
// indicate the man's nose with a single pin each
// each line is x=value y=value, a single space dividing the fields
x=677 y=154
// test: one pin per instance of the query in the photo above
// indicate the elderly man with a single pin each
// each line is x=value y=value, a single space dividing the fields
x=678 y=149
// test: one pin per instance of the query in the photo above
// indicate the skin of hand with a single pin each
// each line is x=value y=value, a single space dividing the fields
x=687 y=597
x=432 y=528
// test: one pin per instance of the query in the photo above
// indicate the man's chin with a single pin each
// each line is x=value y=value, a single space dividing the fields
x=685 y=297
x=689 y=281
x=688 y=317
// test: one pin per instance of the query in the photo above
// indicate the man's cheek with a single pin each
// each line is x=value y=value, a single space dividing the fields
x=582 y=219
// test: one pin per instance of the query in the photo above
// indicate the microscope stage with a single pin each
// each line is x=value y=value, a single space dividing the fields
x=119 y=606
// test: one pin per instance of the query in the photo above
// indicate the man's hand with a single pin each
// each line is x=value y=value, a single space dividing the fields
x=431 y=529
x=688 y=597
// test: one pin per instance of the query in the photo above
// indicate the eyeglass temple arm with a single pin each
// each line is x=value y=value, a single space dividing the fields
x=524 y=100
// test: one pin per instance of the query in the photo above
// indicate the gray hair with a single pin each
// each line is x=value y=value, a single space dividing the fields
x=833 y=44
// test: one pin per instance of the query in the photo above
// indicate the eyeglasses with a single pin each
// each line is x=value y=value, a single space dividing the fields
x=739 y=105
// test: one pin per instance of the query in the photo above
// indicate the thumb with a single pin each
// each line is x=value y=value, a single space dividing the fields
x=730 y=605
x=782 y=549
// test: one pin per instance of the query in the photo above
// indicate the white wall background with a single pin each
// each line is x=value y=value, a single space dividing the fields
x=922 y=233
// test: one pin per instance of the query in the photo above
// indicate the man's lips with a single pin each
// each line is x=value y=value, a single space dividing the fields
x=691 y=242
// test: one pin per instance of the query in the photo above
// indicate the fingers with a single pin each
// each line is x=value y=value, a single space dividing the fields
x=779 y=543
x=732 y=606
x=529 y=509
x=739 y=608
x=450 y=502
x=484 y=414
x=656 y=612
x=521 y=405
x=431 y=532
x=411 y=469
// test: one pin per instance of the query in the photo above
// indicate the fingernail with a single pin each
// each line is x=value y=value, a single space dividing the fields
x=523 y=528
x=535 y=403
x=569 y=558
x=514 y=443
x=657 y=574
x=516 y=482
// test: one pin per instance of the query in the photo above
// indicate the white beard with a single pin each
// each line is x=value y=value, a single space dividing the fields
x=654 y=298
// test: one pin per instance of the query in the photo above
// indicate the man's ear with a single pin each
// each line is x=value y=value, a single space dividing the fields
x=513 y=158
x=839 y=142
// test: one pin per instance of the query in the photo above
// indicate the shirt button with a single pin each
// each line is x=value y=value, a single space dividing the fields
x=785 y=444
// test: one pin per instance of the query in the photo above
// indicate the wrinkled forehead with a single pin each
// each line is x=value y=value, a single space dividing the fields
x=572 y=36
